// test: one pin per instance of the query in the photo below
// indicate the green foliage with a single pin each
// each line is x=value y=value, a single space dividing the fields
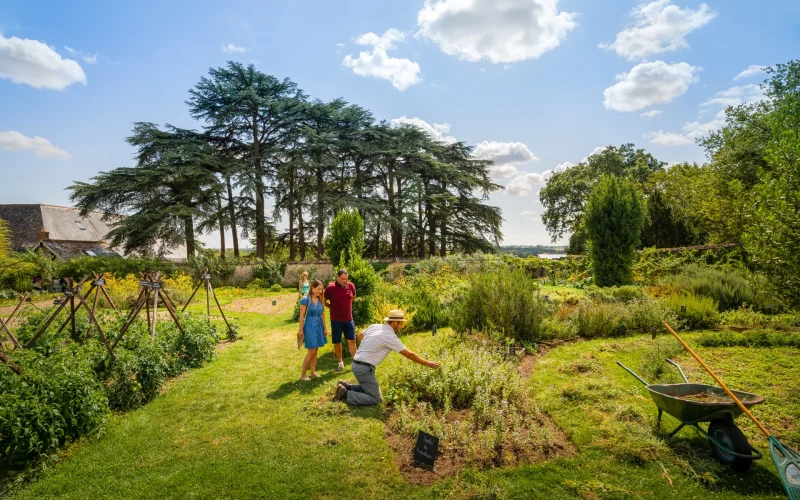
x=505 y=303
x=693 y=311
x=345 y=234
x=66 y=389
x=365 y=280
x=755 y=338
x=269 y=272
x=665 y=226
x=276 y=288
x=78 y=267
x=730 y=288
x=614 y=219
x=747 y=317
x=566 y=194
x=212 y=262
x=55 y=400
x=598 y=319
x=5 y=240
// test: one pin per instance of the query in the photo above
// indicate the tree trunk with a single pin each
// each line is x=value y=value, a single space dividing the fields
x=259 y=187
x=392 y=213
x=292 y=250
x=232 y=214
x=301 y=232
x=320 y=212
x=221 y=227
x=420 y=228
x=400 y=218
x=188 y=227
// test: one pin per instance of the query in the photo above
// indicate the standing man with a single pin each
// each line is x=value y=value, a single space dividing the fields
x=377 y=342
x=339 y=298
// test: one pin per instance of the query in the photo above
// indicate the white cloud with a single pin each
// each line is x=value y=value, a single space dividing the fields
x=499 y=31
x=659 y=27
x=437 y=131
x=737 y=95
x=561 y=167
x=70 y=50
x=522 y=184
x=90 y=59
x=14 y=141
x=504 y=153
x=649 y=83
x=340 y=45
x=529 y=213
x=34 y=63
x=403 y=73
x=668 y=138
x=752 y=70
x=651 y=114
x=595 y=151
x=696 y=129
x=232 y=49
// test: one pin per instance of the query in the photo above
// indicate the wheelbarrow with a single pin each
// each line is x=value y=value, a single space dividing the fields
x=692 y=404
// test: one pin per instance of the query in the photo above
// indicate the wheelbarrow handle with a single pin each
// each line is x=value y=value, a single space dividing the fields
x=640 y=379
x=679 y=369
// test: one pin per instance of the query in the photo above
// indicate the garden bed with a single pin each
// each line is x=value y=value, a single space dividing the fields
x=263 y=305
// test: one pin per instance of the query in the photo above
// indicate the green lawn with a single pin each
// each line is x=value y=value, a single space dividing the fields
x=244 y=427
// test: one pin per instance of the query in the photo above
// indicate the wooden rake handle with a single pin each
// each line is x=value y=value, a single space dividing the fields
x=721 y=384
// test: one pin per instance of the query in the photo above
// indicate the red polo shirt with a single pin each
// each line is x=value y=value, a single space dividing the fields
x=341 y=298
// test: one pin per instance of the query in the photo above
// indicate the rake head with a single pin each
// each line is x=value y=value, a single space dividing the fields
x=787 y=461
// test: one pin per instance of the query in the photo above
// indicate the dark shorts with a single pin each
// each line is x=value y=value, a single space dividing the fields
x=339 y=327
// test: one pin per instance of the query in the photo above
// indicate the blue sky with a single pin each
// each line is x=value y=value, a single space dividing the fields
x=536 y=85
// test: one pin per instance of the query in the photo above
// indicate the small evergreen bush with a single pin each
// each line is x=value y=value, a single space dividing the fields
x=276 y=288
x=598 y=319
x=693 y=311
x=728 y=287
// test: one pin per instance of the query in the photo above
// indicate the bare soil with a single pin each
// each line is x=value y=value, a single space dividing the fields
x=263 y=305
x=450 y=460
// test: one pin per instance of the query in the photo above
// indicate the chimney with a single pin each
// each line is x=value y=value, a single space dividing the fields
x=43 y=235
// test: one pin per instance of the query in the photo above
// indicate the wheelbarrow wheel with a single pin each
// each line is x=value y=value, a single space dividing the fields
x=727 y=434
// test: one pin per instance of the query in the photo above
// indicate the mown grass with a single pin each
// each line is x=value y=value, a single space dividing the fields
x=244 y=427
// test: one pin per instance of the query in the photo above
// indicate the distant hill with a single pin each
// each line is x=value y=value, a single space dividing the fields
x=526 y=251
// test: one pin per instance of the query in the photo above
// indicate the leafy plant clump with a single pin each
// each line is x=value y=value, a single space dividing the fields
x=728 y=287
x=693 y=311
x=476 y=403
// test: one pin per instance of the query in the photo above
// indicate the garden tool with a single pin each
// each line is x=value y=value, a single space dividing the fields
x=786 y=460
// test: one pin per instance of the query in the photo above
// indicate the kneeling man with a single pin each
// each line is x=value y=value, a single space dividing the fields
x=377 y=342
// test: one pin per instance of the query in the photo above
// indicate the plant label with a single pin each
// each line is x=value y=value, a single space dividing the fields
x=156 y=285
x=99 y=282
x=434 y=329
x=144 y=283
x=206 y=276
x=425 y=449
x=683 y=309
x=512 y=349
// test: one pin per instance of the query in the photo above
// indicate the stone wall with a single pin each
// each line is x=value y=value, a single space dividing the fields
x=317 y=270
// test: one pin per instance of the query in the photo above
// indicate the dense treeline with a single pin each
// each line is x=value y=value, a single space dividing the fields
x=264 y=139
x=748 y=193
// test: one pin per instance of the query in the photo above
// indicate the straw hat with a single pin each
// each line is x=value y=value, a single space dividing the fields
x=395 y=315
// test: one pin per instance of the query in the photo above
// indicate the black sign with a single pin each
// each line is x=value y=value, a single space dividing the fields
x=683 y=309
x=144 y=283
x=99 y=282
x=425 y=449
x=434 y=330
x=206 y=276
x=57 y=302
x=512 y=349
x=156 y=285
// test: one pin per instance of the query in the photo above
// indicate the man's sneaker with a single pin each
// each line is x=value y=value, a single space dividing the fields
x=345 y=384
x=340 y=368
x=341 y=393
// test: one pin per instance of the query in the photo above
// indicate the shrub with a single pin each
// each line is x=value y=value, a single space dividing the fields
x=614 y=219
x=693 y=311
x=276 y=288
x=745 y=316
x=55 y=400
x=507 y=303
x=598 y=319
x=179 y=286
x=135 y=376
x=269 y=272
x=728 y=287
x=345 y=236
x=365 y=280
x=123 y=290
x=756 y=338
x=195 y=345
x=646 y=315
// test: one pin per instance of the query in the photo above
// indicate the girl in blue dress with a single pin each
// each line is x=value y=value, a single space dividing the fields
x=313 y=332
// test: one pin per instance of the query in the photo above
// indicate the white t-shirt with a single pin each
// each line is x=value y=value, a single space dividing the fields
x=378 y=342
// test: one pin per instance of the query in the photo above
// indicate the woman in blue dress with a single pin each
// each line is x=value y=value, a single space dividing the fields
x=313 y=332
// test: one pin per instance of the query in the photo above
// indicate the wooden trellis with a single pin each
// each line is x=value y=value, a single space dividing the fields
x=206 y=281
x=23 y=300
x=150 y=289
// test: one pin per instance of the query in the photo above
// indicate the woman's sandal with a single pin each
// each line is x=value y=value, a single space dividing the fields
x=316 y=375
x=305 y=379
